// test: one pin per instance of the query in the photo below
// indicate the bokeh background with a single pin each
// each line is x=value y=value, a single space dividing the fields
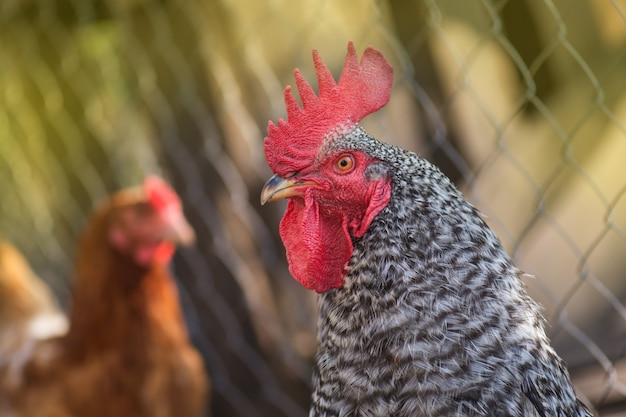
x=522 y=103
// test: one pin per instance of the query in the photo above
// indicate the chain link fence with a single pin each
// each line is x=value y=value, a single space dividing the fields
x=522 y=103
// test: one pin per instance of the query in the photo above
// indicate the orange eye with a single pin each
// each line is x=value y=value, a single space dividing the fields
x=344 y=163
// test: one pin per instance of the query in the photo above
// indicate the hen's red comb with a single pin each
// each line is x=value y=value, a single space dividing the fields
x=362 y=89
x=159 y=193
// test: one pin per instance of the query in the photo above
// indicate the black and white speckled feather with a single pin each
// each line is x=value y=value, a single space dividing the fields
x=433 y=319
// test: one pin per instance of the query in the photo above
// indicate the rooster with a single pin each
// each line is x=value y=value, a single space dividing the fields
x=422 y=312
x=127 y=352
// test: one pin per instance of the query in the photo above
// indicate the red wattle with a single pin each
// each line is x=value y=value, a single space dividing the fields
x=318 y=245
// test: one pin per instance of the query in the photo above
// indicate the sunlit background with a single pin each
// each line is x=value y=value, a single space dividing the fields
x=522 y=103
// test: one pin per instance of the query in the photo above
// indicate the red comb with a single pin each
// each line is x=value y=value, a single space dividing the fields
x=362 y=89
x=159 y=193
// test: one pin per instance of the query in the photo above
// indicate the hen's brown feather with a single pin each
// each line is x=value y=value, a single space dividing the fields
x=27 y=308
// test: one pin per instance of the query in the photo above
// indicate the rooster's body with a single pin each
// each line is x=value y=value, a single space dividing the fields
x=431 y=295
x=422 y=312
x=127 y=352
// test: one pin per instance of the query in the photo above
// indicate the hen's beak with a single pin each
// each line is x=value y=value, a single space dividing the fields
x=277 y=188
x=177 y=228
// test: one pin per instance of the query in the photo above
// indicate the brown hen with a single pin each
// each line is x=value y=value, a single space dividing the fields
x=127 y=352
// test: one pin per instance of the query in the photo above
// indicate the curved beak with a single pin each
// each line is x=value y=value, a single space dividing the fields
x=177 y=229
x=277 y=188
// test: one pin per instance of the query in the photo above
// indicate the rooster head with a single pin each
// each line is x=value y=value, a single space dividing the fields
x=334 y=190
x=147 y=222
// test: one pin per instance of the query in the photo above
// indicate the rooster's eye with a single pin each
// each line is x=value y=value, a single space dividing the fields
x=344 y=163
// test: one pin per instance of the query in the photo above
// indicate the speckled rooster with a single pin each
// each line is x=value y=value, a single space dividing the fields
x=422 y=311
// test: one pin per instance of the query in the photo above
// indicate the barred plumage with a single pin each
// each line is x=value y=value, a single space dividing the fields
x=432 y=318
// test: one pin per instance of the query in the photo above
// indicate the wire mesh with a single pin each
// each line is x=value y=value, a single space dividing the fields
x=522 y=103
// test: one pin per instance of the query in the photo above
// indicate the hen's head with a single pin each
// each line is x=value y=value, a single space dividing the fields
x=334 y=188
x=147 y=222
